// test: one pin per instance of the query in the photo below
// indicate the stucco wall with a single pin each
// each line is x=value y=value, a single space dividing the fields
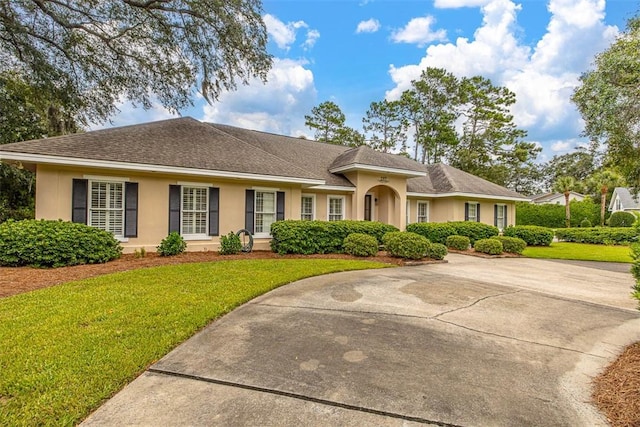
x=452 y=209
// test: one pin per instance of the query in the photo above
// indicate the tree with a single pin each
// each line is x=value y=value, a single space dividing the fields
x=96 y=53
x=328 y=120
x=579 y=164
x=603 y=181
x=386 y=126
x=608 y=99
x=565 y=185
x=516 y=168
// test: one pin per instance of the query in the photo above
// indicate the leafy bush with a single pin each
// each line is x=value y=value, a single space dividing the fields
x=436 y=232
x=437 y=251
x=474 y=230
x=460 y=243
x=359 y=244
x=553 y=216
x=404 y=244
x=599 y=235
x=320 y=237
x=171 y=245
x=635 y=269
x=622 y=219
x=230 y=244
x=488 y=246
x=533 y=235
x=42 y=243
x=585 y=223
x=512 y=245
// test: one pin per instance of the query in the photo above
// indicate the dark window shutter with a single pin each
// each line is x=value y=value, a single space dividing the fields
x=495 y=215
x=130 y=209
x=214 y=211
x=279 y=205
x=477 y=212
x=80 y=192
x=249 y=210
x=506 y=217
x=466 y=211
x=175 y=197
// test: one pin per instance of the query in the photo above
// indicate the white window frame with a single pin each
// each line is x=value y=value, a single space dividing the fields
x=475 y=213
x=342 y=207
x=264 y=234
x=503 y=208
x=108 y=211
x=408 y=212
x=422 y=203
x=194 y=236
x=313 y=207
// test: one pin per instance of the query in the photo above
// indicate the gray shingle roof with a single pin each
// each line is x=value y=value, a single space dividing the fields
x=627 y=200
x=364 y=155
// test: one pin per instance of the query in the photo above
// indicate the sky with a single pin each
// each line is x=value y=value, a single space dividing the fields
x=354 y=52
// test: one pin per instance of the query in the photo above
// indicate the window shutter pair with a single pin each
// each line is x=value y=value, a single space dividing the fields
x=495 y=215
x=466 y=211
x=80 y=205
x=175 y=200
x=250 y=210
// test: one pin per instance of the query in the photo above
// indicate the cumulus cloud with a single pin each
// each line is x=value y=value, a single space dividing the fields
x=418 y=31
x=310 y=41
x=369 y=26
x=284 y=34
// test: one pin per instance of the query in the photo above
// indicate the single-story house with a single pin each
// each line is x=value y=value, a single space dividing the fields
x=623 y=200
x=556 y=198
x=202 y=180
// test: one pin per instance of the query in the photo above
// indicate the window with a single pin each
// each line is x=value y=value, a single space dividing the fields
x=472 y=212
x=106 y=207
x=501 y=216
x=423 y=211
x=336 y=208
x=194 y=211
x=307 y=208
x=408 y=213
x=265 y=211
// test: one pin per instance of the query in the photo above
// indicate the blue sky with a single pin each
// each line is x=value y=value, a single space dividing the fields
x=354 y=52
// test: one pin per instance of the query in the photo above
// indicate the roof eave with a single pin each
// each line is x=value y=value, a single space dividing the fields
x=353 y=167
x=469 y=195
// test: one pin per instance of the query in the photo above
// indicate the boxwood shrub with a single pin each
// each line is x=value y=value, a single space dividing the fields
x=599 y=235
x=404 y=244
x=44 y=243
x=533 y=235
x=436 y=232
x=489 y=246
x=474 y=230
x=512 y=245
x=622 y=219
x=460 y=243
x=359 y=244
x=171 y=245
x=437 y=251
x=230 y=244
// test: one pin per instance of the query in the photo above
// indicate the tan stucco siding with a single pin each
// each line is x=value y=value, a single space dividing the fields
x=453 y=209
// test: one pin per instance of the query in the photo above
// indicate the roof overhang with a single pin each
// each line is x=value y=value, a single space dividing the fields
x=356 y=167
x=143 y=167
x=467 y=195
x=333 y=188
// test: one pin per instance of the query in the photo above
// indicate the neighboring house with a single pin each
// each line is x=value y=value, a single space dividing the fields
x=143 y=181
x=556 y=198
x=623 y=200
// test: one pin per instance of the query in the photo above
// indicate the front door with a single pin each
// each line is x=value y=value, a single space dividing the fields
x=367 y=207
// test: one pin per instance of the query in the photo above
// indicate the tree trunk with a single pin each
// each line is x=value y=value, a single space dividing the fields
x=603 y=201
x=567 y=209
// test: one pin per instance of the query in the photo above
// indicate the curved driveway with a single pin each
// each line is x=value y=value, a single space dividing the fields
x=474 y=342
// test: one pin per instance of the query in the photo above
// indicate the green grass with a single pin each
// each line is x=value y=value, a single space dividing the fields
x=580 y=251
x=65 y=349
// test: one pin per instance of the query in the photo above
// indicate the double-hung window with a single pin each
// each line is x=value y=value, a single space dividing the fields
x=265 y=211
x=472 y=213
x=423 y=211
x=336 y=208
x=194 y=211
x=501 y=216
x=307 y=207
x=106 y=207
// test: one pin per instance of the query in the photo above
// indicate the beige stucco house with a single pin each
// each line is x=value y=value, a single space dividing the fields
x=202 y=180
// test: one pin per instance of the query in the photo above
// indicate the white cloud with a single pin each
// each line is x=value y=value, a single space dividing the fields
x=369 y=26
x=561 y=146
x=418 y=31
x=284 y=35
x=312 y=36
x=455 y=4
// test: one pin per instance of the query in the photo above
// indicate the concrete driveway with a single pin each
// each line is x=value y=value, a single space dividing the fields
x=475 y=342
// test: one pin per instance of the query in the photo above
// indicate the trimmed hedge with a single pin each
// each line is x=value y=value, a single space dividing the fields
x=439 y=231
x=437 y=251
x=553 y=216
x=359 y=244
x=621 y=219
x=321 y=237
x=474 y=230
x=404 y=244
x=489 y=246
x=599 y=235
x=512 y=245
x=43 y=243
x=531 y=234
x=585 y=223
x=460 y=243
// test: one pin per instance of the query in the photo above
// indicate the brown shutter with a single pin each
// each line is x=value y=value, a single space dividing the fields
x=249 y=210
x=280 y=206
x=214 y=211
x=79 y=205
x=130 y=209
x=174 y=208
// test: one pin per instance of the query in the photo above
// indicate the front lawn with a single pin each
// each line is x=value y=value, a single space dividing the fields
x=65 y=349
x=580 y=251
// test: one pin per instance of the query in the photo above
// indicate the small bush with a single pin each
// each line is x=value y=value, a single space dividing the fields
x=436 y=232
x=171 y=245
x=488 y=246
x=635 y=269
x=622 y=219
x=533 y=235
x=140 y=253
x=359 y=244
x=460 y=243
x=437 y=251
x=474 y=230
x=404 y=244
x=512 y=245
x=585 y=223
x=599 y=235
x=230 y=244
x=42 y=243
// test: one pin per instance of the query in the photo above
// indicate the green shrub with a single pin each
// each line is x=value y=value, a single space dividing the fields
x=585 y=223
x=320 y=237
x=359 y=244
x=512 y=245
x=404 y=244
x=622 y=219
x=533 y=235
x=436 y=232
x=488 y=246
x=171 y=245
x=599 y=235
x=437 y=251
x=635 y=269
x=230 y=244
x=474 y=230
x=553 y=216
x=42 y=243
x=460 y=243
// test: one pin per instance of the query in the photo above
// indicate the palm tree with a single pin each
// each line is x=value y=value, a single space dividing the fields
x=602 y=181
x=565 y=185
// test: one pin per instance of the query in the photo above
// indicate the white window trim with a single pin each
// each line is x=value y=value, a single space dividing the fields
x=422 y=202
x=344 y=206
x=313 y=205
x=196 y=236
x=109 y=180
x=264 y=234
x=408 y=212
x=504 y=216
x=475 y=218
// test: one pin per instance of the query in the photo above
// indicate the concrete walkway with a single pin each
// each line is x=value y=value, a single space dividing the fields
x=475 y=342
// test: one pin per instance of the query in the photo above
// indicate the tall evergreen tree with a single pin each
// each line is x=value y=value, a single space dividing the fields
x=385 y=125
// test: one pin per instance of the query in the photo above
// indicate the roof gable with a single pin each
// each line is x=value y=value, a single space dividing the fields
x=366 y=158
x=627 y=200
